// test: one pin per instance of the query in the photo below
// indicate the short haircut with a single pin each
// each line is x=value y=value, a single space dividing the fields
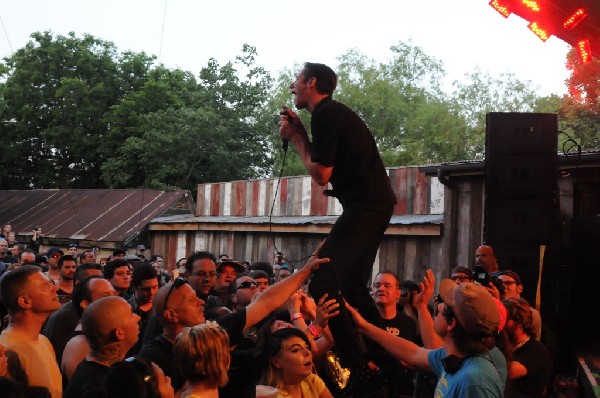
x=392 y=273
x=109 y=268
x=85 y=267
x=13 y=285
x=258 y=274
x=199 y=256
x=155 y=257
x=26 y=251
x=82 y=254
x=81 y=292
x=202 y=353
x=326 y=77
x=21 y=247
x=62 y=260
x=142 y=272
x=262 y=266
x=232 y=288
x=117 y=252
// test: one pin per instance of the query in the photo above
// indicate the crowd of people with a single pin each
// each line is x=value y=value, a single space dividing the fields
x=125 y=327
x=222 y=328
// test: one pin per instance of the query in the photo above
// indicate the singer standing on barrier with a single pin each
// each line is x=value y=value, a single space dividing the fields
x=343 y=152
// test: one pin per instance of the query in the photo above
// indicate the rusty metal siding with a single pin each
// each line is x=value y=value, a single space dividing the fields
x=297 y=196
x=101 y=215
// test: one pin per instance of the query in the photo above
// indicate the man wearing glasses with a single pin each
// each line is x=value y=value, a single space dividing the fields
x=242 y=291
x=53 y=255
x=513 y=288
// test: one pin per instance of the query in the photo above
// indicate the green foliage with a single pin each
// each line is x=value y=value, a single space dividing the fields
x=76 y=113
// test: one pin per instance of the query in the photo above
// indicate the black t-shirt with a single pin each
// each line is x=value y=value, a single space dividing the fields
x=160 y=350
x=88 y=374
x=399 y=378
x=534 y=356
x=341 y=139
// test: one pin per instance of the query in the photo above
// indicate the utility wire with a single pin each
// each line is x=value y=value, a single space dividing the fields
x=162 y=33
x=6 y=34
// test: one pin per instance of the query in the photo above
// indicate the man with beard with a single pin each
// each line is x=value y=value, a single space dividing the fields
x=67 y=265
x=530 y=363
x=53 y=255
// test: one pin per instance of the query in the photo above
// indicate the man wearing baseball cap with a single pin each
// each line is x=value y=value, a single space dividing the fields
x=465 y=317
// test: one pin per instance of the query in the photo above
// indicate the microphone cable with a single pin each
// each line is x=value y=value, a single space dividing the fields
x=275 y=196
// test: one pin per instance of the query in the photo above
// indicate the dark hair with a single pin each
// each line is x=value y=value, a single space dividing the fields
x=109 y=268
x=259 y=273
x=326 y=77
x=12 y=283
x=199 y=256
x=84 y=267
x=82 y=254
x=142 y=272
x=81 y=292
x=232 y=288
x=26 y=251
x=132 y=378
x=273 y=347
x=11 y=388
x=155 y=257
x=62 y=260
x=262 y=266
x=119 y=251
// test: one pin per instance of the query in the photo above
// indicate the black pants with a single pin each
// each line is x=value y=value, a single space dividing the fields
x=352 y=246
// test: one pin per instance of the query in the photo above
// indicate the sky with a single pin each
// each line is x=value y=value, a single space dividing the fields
x=463 y=34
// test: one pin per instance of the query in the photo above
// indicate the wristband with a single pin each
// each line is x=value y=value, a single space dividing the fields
x=313 y=330
x=295 y=316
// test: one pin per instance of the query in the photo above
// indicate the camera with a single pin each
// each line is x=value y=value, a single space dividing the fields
x=480 y=275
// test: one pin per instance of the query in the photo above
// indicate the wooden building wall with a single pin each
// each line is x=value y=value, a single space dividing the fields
x=407 y=255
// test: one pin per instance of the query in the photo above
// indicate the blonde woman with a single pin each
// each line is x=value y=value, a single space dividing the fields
x=202 y=354
x=289 y=366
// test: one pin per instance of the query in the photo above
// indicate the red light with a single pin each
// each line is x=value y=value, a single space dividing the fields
x=502 y=9
x=574 y=19
x=532 y=5
x=539 y=31
x=585 y=51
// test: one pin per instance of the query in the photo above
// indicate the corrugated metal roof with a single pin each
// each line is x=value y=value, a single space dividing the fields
x=410 y=219
x=111 y=215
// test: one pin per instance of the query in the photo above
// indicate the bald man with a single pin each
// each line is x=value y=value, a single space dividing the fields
x=77 y=348
x=111 y=329
x=484 y=256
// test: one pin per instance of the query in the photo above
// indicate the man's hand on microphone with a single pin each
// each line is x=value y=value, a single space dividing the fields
x=290 y=124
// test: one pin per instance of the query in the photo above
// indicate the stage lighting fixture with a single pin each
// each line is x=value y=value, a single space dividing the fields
x=585 y=51
x=575 y=18
x=539 y=31
x=502 y=9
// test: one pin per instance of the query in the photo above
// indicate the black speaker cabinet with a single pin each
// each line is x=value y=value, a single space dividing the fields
x=521 y=173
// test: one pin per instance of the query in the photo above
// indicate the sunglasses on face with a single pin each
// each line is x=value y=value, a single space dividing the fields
x=177 y=283
x=246 y=285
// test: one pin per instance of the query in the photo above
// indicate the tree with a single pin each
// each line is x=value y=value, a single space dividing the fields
x=209 y=133
x=580 y=110
x=57 y=93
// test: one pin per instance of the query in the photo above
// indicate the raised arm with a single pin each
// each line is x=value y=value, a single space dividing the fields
x=274 y=297
x=431 y=339
x=401 y=349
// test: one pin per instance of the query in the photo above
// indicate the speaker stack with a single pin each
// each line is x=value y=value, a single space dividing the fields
x=521 y=194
